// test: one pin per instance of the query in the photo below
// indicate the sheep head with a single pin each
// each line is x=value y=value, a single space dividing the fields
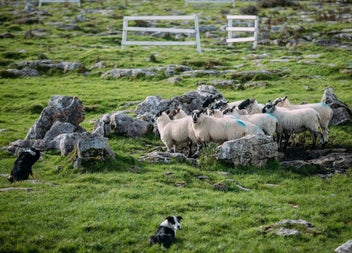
x=245 y=103
x=196 y=115
x=269 y=107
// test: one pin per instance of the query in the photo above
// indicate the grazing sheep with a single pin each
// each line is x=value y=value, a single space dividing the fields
x=324 y=110
x=219 y=130
x=294 y=121
x=175 y=132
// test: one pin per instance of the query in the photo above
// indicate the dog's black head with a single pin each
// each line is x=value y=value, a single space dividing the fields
x=174 y=221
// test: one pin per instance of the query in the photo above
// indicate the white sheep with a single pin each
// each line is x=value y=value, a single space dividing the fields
x=175 y=132
x=219 y=130
x=294 y=121
x=267 y=122
x=324 y=110
x=178 y=113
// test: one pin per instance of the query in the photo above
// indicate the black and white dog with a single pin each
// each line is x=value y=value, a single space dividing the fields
x=22 y=167
x=166 y=232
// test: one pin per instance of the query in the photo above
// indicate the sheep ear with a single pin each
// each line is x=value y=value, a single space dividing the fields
x=285 y=97
x=179 y=218
x=275 y=102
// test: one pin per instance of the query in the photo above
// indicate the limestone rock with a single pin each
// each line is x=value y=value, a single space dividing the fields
x=92 y=148
x=125 y=125
x=345 y=248
x=60 y=108
x=342 y=113
x=250 y=150
x=193 y=100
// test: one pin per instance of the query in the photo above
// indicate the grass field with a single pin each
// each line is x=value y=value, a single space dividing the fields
x=115 y=206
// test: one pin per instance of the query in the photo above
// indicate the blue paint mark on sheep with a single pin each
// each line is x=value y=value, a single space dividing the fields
x=241 y=123
x=272 y=115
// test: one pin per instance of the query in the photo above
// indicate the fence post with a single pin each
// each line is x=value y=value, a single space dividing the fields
x=256 y=32
x=124 y=32
x=196 y=27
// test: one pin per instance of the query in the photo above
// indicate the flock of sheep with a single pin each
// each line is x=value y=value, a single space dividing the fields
x=228 y=121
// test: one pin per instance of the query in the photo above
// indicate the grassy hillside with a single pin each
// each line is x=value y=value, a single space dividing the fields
x=116 y=206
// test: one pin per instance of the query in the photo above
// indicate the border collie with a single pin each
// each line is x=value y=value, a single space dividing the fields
x=166 y=232
x=22 y=167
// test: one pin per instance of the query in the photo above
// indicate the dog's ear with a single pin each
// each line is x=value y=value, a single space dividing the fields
x=179 y=218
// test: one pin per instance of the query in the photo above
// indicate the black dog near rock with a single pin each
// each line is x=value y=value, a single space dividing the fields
x=23 y=165
x=166 y=232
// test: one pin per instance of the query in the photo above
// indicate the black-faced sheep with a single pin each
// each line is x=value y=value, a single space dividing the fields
x=324 y=110
x=251 y=105
x=294 y=121
x=23 y=165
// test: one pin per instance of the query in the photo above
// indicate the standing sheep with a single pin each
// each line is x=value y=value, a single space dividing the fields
x=175 y=132
x=219 y=130
x=266 y=122
x=294 y=121
x=324 y=110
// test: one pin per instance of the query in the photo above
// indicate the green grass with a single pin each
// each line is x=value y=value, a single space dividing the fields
x=115 y=206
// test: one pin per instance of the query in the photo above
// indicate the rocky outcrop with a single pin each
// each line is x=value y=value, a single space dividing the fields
x=254 y=150
x=62 y=109
x=58 y=129
x=342 y=113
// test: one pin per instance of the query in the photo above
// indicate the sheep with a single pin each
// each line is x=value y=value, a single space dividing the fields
x=175 y=132
x=177 y=113
x=251 y=105
x=225 y=107
x=324 y=110
x=294 y=121
x=219 y=130
x=266 y=122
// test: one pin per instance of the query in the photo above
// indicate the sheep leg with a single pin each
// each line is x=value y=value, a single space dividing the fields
x=314 y=138
x=279 y=140
x=189 y=149
x=287 y=138
x=325 y=132
x=315 y=134
x=199 y=147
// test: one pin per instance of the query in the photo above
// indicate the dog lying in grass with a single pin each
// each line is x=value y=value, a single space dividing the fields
x=22 y=167
x=166 y=232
